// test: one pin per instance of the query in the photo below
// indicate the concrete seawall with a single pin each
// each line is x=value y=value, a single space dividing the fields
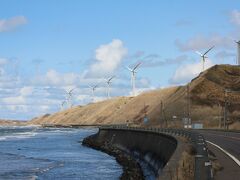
x=155 y=149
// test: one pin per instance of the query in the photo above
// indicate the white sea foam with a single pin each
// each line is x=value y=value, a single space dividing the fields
x=20 y=135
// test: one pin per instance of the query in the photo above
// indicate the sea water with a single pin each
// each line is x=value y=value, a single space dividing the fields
x=52 y=153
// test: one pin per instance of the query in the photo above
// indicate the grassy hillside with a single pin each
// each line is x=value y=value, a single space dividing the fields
x=11 y=123
x=206 y=94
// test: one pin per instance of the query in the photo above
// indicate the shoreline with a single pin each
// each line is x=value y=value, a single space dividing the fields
x=131 y=168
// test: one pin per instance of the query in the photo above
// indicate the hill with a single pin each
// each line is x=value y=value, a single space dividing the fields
x=205 y=101
x=11 y=123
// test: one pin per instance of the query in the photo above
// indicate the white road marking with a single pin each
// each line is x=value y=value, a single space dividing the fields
x=231 y=156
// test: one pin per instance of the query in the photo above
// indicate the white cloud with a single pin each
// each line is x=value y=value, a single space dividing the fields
x=54 y=78
x=108 y=58
x=204 y=42
x=26 y=91
x=19 y=96
x=3 y=61
x=200 y=41
x=12 y=23
x=235 y=17
x=17 y=100
x=188 y=71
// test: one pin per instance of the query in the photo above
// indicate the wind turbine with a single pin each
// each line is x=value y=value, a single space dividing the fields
x=69 y=97
x=204 y=55
x=109 y=81
x=62 y=104
x=238 y=52
x=133 y=76
x=93 y=88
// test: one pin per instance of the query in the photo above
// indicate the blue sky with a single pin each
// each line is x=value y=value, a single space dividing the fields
x=47 y=47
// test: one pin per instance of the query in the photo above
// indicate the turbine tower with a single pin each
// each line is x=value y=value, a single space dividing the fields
x=109 y=81
x=238 y=52
x=62 y=105
x=133 y=76
x=69 y=97
x=93 y=88
x=204 y=56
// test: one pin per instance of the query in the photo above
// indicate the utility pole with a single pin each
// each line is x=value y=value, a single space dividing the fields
x=161 y=113
x=225 y=109
x=226 y=104
x=220 y=115
x=188 y=106
x=163 y=116
x=166 y=121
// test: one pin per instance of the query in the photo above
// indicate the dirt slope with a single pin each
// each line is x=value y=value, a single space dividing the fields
x=206 y=94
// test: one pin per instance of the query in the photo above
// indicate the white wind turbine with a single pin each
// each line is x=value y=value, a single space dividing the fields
x=204 y=55
x=62 y=104
x=69 y=97
x=133 y=76
x=93 y=88
x=238 y=52
x=109 y=81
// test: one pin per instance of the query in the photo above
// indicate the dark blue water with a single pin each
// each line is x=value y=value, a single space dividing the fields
x=37 y=153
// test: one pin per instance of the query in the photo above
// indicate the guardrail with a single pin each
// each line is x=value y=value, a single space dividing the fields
x=203 y=167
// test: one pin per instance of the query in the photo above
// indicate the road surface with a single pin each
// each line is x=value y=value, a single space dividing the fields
x=230 y=142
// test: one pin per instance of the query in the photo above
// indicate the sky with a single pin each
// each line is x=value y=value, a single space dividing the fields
x=50 y=47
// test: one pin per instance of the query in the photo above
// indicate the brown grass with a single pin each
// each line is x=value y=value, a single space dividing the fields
x=11 y=123
x=185 y=170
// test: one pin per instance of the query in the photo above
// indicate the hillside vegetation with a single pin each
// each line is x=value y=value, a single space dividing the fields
x=206 y=98
x=11 y=123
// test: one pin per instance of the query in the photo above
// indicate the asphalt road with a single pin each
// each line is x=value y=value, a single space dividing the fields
x=230 y=142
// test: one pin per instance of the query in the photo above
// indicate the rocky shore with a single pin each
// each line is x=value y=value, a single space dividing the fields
x=131 y=168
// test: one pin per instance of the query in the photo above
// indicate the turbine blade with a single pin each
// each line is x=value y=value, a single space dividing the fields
x=199 y=53
x=109 y=80
x=71 y=90
x=137 y=66
x=208 y=50
x=128 y=68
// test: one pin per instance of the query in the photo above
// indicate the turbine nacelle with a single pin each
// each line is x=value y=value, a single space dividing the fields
x=204 y=55
x=109 y=80
x=93 y=87
x=70 y=92
x=238 y=42
x=133 y=72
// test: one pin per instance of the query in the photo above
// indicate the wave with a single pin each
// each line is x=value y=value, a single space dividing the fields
x=18 y=135
x=30 y=169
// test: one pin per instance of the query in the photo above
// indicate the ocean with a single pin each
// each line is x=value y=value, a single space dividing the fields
x=52 y=153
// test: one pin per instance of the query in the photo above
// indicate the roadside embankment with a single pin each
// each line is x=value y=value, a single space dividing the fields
x=161 y=152
x=131 y=168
